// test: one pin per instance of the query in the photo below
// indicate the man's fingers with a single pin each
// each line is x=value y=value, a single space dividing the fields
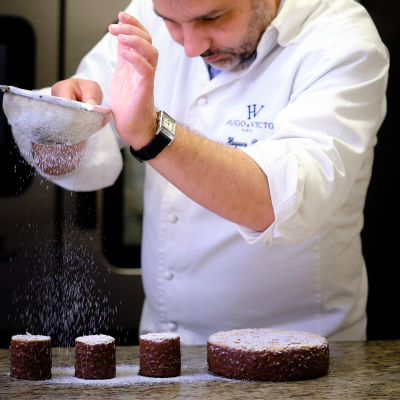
x=125 y=18
x=78 y=89
x=143 y=67
x=125 y=29
x=65 y=89
x=140 y=46
x=90 y=92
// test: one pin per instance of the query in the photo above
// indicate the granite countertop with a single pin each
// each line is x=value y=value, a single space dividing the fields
x=357 y=370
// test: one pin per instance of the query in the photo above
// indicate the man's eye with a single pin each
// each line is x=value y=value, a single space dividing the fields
x=211 y=19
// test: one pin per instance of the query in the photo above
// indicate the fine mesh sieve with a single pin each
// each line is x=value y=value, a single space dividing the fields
x=50 y=120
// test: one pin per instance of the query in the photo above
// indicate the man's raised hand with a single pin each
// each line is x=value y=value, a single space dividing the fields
x=132 y=85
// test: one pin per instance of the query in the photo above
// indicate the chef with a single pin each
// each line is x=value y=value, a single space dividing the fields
x=257 y=120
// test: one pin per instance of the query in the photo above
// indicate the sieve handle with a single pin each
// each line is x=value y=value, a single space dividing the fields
x=4 y=88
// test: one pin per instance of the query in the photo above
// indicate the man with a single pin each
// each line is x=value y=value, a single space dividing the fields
x=254 y=222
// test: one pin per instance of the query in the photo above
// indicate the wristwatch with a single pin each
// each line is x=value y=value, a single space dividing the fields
x=164 y=136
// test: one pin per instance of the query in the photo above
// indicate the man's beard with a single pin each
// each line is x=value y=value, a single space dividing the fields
x=261 y=18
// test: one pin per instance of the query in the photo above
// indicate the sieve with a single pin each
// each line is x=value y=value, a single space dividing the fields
x=51 y=120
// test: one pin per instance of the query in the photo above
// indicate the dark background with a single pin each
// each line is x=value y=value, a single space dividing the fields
x=381 y=231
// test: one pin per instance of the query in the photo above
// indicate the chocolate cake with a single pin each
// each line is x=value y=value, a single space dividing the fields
x=160 y=355
x=95 y=357
x=268 y=354
x=30 y=357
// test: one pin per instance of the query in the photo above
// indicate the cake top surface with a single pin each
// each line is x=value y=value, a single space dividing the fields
x=95 y=339
x=31 y=338
x=267 y=339
x=159 y=337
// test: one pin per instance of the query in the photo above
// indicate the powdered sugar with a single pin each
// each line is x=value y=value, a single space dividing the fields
x=95 y=339
x=267 y=339
x=159 y=337
x=71 y=303
x=127 y=375
x=31 y=338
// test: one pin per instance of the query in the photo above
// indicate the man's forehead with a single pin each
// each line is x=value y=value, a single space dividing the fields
x=192 y=9
x=190 y=3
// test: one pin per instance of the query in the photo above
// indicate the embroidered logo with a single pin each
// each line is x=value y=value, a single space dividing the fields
x=232 y=143
x=253 y=110
x=248 y=126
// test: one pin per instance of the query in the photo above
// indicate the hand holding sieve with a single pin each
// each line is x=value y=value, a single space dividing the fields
x=50 y=120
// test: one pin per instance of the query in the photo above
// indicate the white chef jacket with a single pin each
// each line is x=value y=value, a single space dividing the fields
x=307 y=111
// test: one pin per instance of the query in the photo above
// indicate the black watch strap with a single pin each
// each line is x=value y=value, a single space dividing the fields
x=152 y=149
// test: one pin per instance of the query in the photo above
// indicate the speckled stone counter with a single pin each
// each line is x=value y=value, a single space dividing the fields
x=358 y=370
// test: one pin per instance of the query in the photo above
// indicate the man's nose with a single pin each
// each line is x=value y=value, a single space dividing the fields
x=196 y=40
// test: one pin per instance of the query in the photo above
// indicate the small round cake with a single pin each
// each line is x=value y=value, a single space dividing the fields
x=268 y=354
x=30 y=357
x=160 y=355
x=95 y=357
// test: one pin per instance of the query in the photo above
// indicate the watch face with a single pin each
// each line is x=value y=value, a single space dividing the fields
x=168 y=124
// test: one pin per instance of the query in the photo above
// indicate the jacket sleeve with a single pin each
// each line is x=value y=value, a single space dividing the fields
x=321 y=139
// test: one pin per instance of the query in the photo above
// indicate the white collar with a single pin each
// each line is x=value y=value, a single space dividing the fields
x=290 y=18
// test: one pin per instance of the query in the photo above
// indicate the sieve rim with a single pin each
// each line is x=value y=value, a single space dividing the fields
x=55 y=100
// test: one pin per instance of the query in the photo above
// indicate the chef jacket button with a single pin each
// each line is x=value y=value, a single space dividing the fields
x=172 y=326
x=168 y=275
x=172 y=218
x=202 y=101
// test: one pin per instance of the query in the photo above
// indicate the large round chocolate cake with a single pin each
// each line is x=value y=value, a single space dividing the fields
x=268 y=354
x=160 y=355
x=95 y=357
x=30 y=357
